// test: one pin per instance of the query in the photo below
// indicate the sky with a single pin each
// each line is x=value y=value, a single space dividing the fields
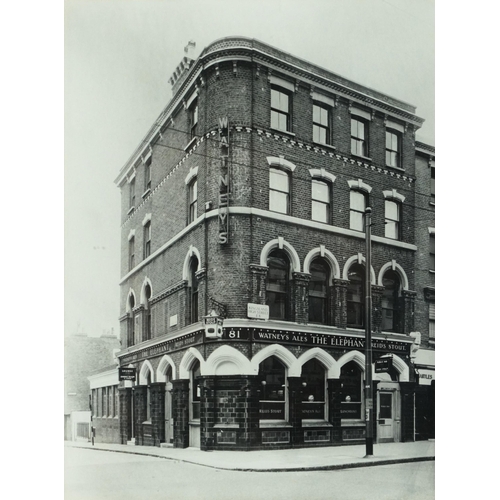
x=119 y=55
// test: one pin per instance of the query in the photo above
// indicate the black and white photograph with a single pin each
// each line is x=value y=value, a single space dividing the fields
x=249 y=249
x=240 y=279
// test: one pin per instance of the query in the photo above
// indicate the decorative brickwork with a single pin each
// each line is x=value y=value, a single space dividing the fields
x=340 y=303
x=180 y=402
x=258 y=276
x=140 y=401
x=409 y=311
x=157 y=412
x=334 y=400
x=301 y=297
x=377 y=292
x=295 y=409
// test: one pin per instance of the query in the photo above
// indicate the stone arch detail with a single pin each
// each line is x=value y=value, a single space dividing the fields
x=143 y=374
x=282 y=353
x=185 y=270
x=321 y=251
x=146 y=282
x=282 y=244
x=395 y=267
x=359 y=259
x=161 y=371
x=355 y=356
x=279 y=161
x=131 y=293
x=333 y=371
x=227 y=360
x=187 y=360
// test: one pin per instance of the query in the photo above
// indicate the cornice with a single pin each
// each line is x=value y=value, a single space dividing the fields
x=241 y=48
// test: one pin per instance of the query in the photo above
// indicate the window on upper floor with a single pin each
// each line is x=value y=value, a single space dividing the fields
x=279 y=191
x=147 y=314
x=432 y=252
x=391 y=302
x=392 y=148
x=318 y=291
x=193 y=290
x=130 y=321
x=432 y=322
x=147 y=239
x=147 y=175
x=392 y=219
x=321 y=124
x=433 y=181
x=193 y=119
x=358 y=204
x=277 y=286
x=193 y=200
x=131 y=190
x=281 y=109
x=320 y=201
x=359 y=136
x=131 y=253
x=356 y=297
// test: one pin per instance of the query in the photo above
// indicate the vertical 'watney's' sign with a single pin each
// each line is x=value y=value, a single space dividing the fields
x=224 y=181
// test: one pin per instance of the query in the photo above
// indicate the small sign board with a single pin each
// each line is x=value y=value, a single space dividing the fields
x=126 y=373
x=383 y=365
x=257 y=311
x=369 y=404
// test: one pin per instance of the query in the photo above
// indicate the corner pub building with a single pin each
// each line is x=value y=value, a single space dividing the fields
x=244 y=205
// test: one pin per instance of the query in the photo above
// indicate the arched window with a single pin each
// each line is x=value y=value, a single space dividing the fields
x=314 y=390
x=272 y=375
x=351 y=380
x=356 y=296
x=195 y=392
x=147 y=314
x=320 y=201
x=147 y=239
x=279 y=191
x=318 y=291
x=193 y=290
x=278 y=285
x=131 y=253
x=391 y=302
x=131 y=321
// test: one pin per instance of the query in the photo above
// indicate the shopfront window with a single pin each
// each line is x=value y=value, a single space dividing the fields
x=314 y=390
x=272 y=375
x=351 y=380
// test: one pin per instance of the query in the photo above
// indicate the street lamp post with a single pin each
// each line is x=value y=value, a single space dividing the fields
x=368 y=337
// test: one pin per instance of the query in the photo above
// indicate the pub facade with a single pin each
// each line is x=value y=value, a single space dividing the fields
x=243 y=259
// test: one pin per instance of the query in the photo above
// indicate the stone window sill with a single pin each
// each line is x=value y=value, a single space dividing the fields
x=324 y=145
x=316 y=423
x=190 y=143
x=130 y=210
x=271 y=424
x=146 y=193
x=287 y=132
x=352 y=423
x=226 y=426
x=366 y=158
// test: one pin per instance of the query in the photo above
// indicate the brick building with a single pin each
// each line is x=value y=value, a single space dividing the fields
x=246 y=200
x=83 y=355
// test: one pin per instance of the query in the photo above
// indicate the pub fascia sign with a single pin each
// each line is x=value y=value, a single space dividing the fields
x=224 y=181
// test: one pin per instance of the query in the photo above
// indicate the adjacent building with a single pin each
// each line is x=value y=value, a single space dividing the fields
x=243 y=259
x=83 y=355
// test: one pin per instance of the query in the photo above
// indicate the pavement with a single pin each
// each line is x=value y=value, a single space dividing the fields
x=289 y=460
